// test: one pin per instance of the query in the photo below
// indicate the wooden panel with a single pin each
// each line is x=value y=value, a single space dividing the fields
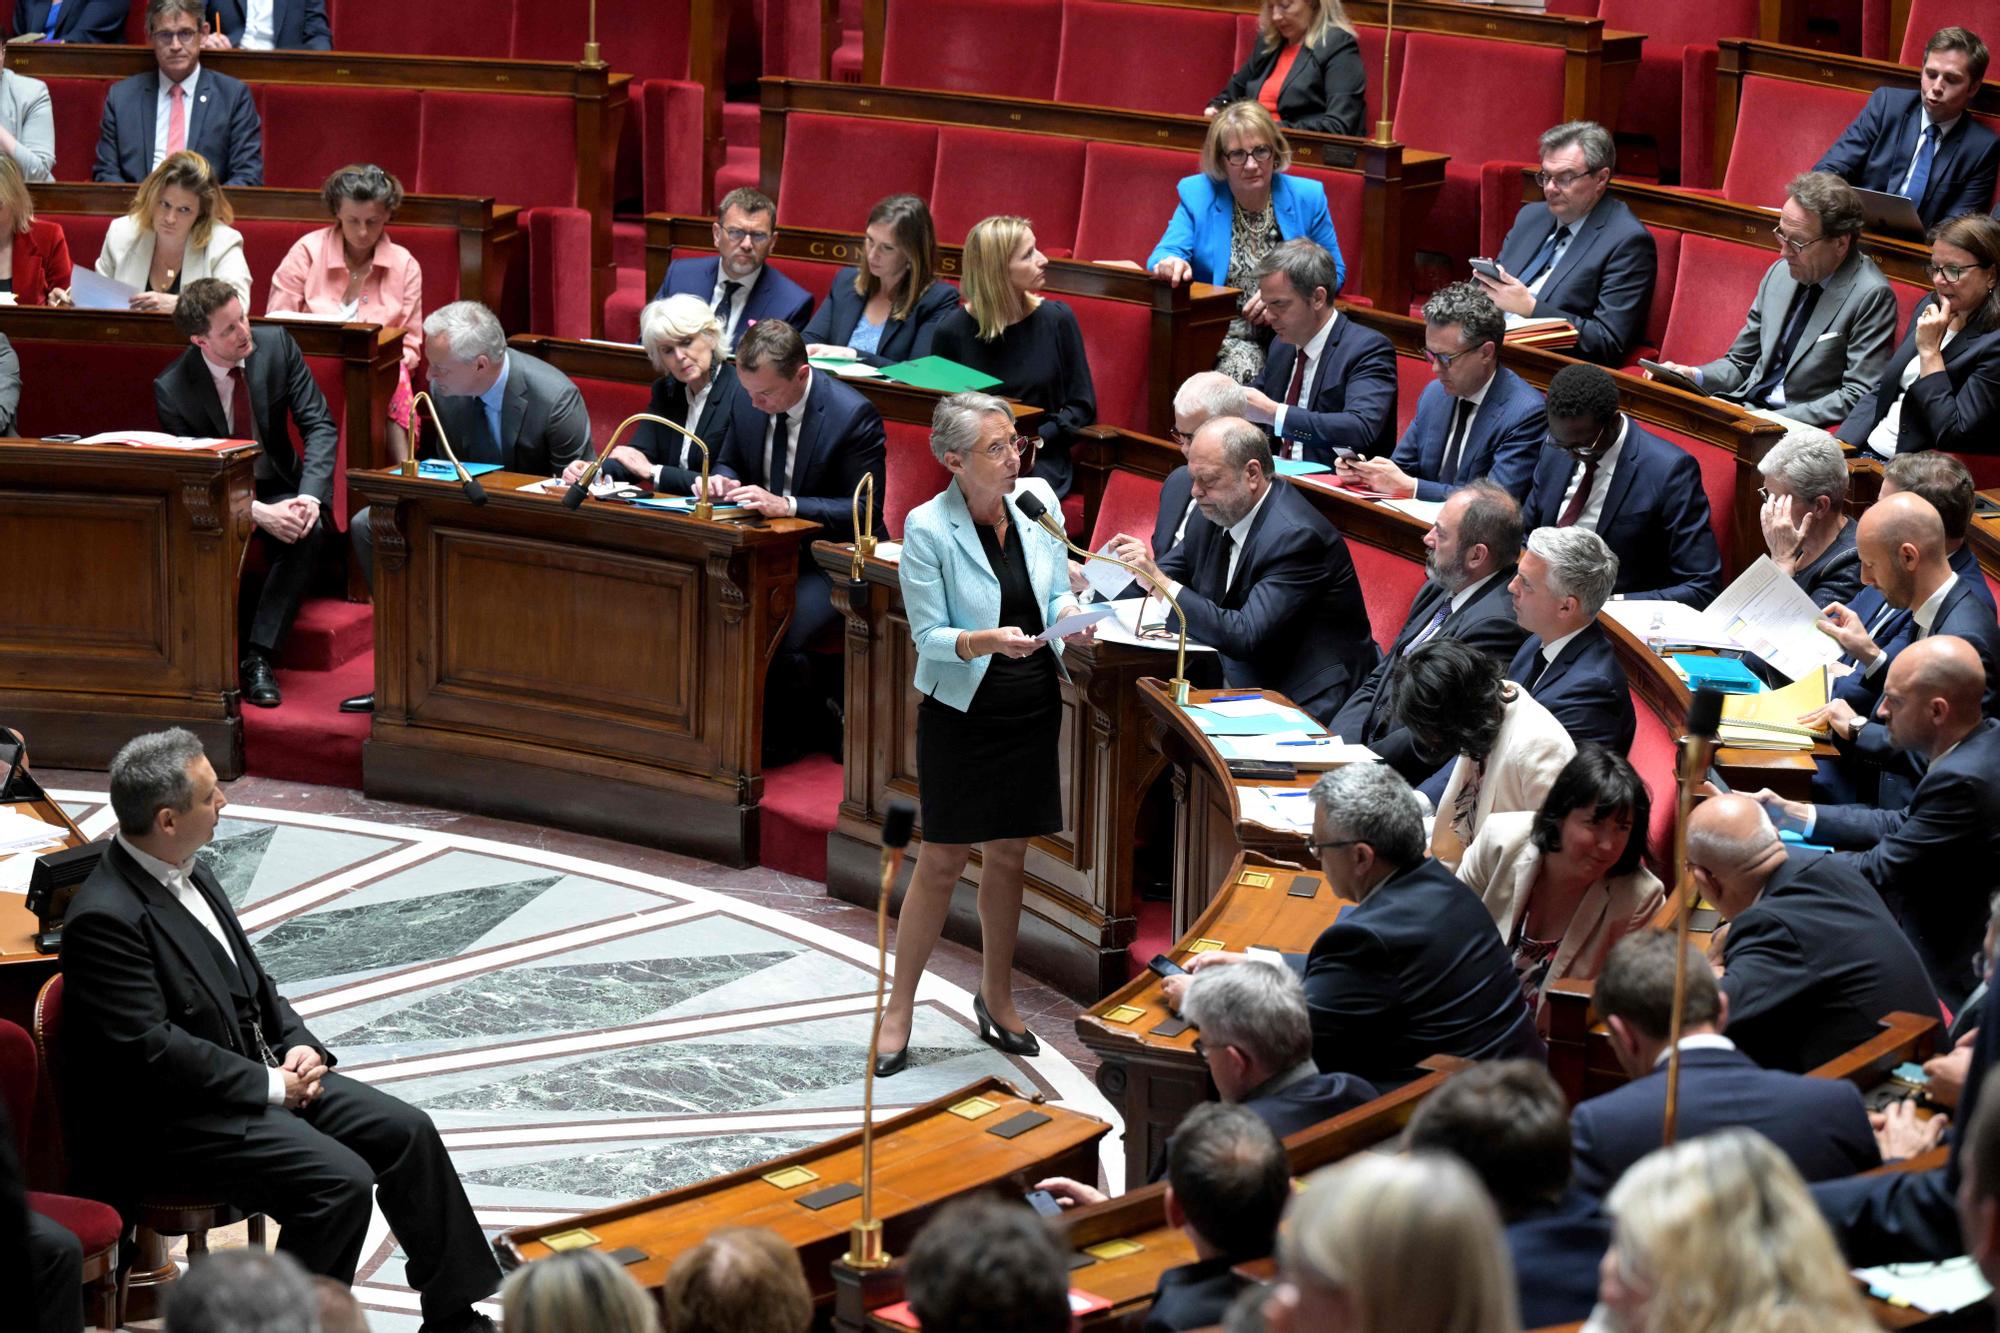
x=52 y=603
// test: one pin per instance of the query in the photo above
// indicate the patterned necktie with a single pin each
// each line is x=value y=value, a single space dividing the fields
x=1543 y=257
x=1435 y=624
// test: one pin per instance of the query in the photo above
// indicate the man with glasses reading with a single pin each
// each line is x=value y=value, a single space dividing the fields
x=179 y=106
x=1579 y=255
x=1824 y=318
x=736 y=282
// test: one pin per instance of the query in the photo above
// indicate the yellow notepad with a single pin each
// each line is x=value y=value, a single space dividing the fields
x=1770 y=721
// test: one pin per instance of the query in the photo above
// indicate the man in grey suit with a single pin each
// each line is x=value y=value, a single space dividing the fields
x=27 y=124
x=1820 y=330
x=495 y=405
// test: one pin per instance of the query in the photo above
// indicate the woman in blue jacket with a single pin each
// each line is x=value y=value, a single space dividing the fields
x=886 y=309
x=1238 y=210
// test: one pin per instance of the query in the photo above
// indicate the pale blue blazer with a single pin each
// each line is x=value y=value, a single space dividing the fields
x=949 y=588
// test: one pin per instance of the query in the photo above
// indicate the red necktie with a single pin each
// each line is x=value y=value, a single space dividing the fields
x=177 y=125
x=242 y=420
x=1574 y=509
x=1298 y=379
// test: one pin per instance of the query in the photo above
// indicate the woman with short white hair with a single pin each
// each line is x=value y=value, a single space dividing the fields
x=683 y=340
x=1804 y=517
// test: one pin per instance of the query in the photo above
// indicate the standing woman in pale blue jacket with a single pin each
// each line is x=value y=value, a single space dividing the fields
x=1238 y=210
x=980 y=581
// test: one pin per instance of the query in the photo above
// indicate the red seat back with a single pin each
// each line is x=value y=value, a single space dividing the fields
x=17 y=1082
x=1723 y=277
x=837 y=167
x=375 y=125
x=1413 y=376
x=1130 y=504
x=265 y=245
x=1128 y=195
x=467 y=29
x=1389 y=583
x=610 y=402
x=816 y=278
x=1374 y=96
x=983 y=172
x=84 y=232
x=642 y=38
x=78 y=105
x=1343 y=204
x=1666 y=271
x=1927 y=16
x=1718 y=483
x=473 y=143
x=1652 y=105
x=1985 y=469
x=1117 y=336
x=120 y=379
x=1145 y=57
x=1908 y=297
x=913 y=473
x=1781 y=129
x=1005 y=48
x=1653 y=755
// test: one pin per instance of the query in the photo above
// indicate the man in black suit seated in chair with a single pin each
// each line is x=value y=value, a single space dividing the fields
x=1568 y=664
x=237 y=382
x=185 y=1071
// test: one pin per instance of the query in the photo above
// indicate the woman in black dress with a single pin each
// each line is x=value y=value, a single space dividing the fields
x=980 y=582
x=1031 y=345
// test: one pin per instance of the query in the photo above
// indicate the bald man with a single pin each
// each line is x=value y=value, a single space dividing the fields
x=1932 y=860
x=1812 y=959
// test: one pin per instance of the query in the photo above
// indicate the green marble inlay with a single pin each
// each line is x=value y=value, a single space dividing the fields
x=233 y=859
x=634 y=1173
x=578 y=997
x=392 y=934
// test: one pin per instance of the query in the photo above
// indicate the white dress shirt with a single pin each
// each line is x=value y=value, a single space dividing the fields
x=695 y=406
x=1562 y=248
x=1945 y=127
x=1239 y=533
x=1699 y=1041
x=795 y=415
x=163 y=112
x=260 y=26
x=1553 y=648
x=743 y=288
x=225 y=389
x=1469 y=591
x=1600 y=482
x=1882 y=440
x=1314 y=346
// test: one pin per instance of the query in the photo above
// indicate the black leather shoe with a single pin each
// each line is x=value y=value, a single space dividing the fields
x=470 y=1322
x=890 y=1063
x=360 y=703
x=1004 y=1040
x=260 y=684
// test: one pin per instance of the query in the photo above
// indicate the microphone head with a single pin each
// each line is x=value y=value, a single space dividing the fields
x=1031 y=504
x=898 y=823
x=1705 y=713
x=473 y=490
x=573 y=497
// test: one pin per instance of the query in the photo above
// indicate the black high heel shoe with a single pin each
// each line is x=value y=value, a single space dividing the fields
x=1002 y=1039
x=890 y=1063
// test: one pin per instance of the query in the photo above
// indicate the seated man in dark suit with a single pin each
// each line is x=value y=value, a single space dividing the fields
x=236 y=382
x=162 y=992
x=1812 y=961
x=1471 y=553
x=1823 y=320
x=1475 y=419
x=1931 y=860
x=1579 y=255
x=179 y=105
x=73 y=20
x=1329 y=384
x=799 y=443
x=280 y=25
x=1606 y=472
x=1266 y=581
x=1507 y=1120
x=1923 y=144
x=1568 y=664
x=737 y=282
x=495 y=405
x=1821 y=1124
x=1414 y=968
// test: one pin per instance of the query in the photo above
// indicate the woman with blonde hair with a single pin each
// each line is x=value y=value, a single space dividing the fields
x=177 y=230
x=1032 y=345
x=1305 y=69
x=34 y=253
x=577 y=1289
x=1719 y=1235
x=1381 y=1244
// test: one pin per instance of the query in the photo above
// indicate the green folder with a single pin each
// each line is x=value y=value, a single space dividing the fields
x=939 y=374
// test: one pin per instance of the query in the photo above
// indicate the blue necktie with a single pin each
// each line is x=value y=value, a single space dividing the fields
x=1920 y=174
x=1542 y=257
x=1436 y=623
x=49 y=23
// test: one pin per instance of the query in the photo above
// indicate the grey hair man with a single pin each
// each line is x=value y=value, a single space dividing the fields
x=1804 y=517
x=243 y=1291
x=1564 y=580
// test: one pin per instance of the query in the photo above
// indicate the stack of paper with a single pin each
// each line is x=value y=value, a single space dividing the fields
x=1954 y=1284
x=1763 y=612
x=1770 y=721
x=1289 y=809
x=23 y=833
x=1306 y=752
x=1125 y=626
x=1251 y=717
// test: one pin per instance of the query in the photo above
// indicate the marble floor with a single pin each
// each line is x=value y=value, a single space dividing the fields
x=586 y=1021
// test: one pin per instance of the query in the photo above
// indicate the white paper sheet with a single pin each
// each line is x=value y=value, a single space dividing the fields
x=1678 y=623
x=1315 y=752
x=1767 y=612
x=150 y=439
x=1105 y=578
x=91 y=290
x=1286 y=808
x=1123 y=627
x=1935 y=1288
x=1424 y=511
x=1075 y=623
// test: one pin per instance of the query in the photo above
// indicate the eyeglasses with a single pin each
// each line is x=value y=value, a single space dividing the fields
x=1794 y=245
x=1580 y=450
x=1236 y=157
x=738 y=235
x=1952 y=272
x=1315 y=848
x=1443 y=360
x=1562 y=182
x=1180 y=437
x=1018 y=447
x=178 y=37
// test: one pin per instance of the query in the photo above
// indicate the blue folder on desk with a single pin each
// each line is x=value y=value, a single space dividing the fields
x=1727 y=674
x=438 y=469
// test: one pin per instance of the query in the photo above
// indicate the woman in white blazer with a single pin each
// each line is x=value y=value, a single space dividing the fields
x=1565 y=883
x=176 y=231
x=980 y=582
x=1455 y=702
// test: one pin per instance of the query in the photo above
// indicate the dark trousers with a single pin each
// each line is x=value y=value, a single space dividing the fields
x=312 y=1171
x=288 y=571
x=55 y=1264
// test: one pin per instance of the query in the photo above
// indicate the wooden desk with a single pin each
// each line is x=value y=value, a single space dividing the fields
x=924 y=1157
x=120 y=596
x=23 y=967
x=599 y=669
x=1984 y=534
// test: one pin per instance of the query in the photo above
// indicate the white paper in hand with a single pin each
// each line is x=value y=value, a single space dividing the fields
x=1074 y=623
x=91 y=290
x=1106 y=579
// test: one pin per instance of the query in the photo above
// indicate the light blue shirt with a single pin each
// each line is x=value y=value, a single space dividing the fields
x=494 y=398
x=866 y=337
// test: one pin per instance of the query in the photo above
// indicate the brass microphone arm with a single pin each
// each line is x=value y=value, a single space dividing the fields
x=863 y=514
x=704 y=509
x=1180 y=682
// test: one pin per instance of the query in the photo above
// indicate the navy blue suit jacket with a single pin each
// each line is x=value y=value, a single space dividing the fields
x=1602 y=284
x=1585 y=687
x=1414 y=970
x=1485 y=622
x=1292 y=619
x=223 y=126
x=1176 y=494
x=774 y=297
x=840 y=438
x=1309 y=1101
x=299 y=25
x=1655 y=518
x=79 y=21
x=1814 y=965
x=902 y=339
x=1875 y=153
x=1505 y=441
x=1955 y=411
x=1194 y=1295
x=667 y=448
x=1351 y=402
x=1556 y=1249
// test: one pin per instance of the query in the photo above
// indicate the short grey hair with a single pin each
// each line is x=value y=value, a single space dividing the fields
x=1812 y=467
x=956 y=420
x=1467 y=305
x=1259 y=1008
x=1305 y=264
x=674 y=320
x=243 y=1291
x=1599 y=149
x=150 y=774
x=472 y=328
x=1243 y=443
x=1830 y=199
x=1491 y=518
x=1211 y=393
x=1713 y=848
x=1372 y=803
x=1580 y=564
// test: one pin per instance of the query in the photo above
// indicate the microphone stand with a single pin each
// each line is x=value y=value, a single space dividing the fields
x=467 y=482
x=1697 y=750
x=864 y=1244
x=863 y=514
x=1385 y=127
x=579 y=489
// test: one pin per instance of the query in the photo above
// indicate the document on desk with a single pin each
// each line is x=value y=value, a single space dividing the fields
x=1286 y=808
x=19 y=832
x=1126 y=626
x=1936 y=1288
x=1424 y=511
x=153 y=439
x=1670 y=622
x=1075 y=622
x=91 y=290
x=1303 y=752
x=1766 y=612
x=1251 y=717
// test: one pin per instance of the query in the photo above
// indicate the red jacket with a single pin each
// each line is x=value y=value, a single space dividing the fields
x=41 y=262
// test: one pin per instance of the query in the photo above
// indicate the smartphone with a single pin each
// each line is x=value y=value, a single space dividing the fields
x=60 y=439
x=1044 y=1203
x=1166 y=966
x=1489 y=270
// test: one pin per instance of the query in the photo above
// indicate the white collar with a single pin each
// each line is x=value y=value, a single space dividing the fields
x=162 y=871
x=797 y=411
x=1464 y=595
x=1315 y=343
x=1554 y=647
x=1700 y=1041
x=1945 y=127
x=1926 y=613
x=1478 y=396
x=1239 y=531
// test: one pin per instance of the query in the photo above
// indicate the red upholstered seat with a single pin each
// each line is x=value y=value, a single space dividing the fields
x=558 y=271
x=1146 y=57
x=610 y=402
x=473 y=143
x=95 y=1224
x=1130 y=504
x=837 y=167
x=84 y=232
x=1374 y=96
x=1718 y=482
x=1992 y=585
x=1389 y=583
x=815 y=278
x=330 y=375
x=1343 y=204
x=1005 y=48
x=1926 y=17
x=1518 y=90
x=670 y=113
x=120 y=380
x=1413 y=376
x=374 y=126
x=1653 y=104
x=18 y=1077
x=1781 y=129
x=640 y=37
x=1908 y=295
x=266 y=242
x=1721 y=277
x=1117 y=336
x=1985 y=469
x=1666 y=266
x=1653 y=753
x=78 y=105
x=913 y=473
x=1128 y=195
x=983 y=172
x=469 y=28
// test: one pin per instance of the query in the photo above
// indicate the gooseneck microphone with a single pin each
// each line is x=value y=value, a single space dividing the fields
x=466 y=481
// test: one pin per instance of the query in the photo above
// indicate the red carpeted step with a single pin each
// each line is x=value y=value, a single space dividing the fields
x=742 y=124
x=307 y=738
x=1155 y=935
x=329 y=632
x=800 y=801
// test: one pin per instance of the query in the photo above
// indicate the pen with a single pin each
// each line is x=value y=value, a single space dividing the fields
x=1321 y=741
